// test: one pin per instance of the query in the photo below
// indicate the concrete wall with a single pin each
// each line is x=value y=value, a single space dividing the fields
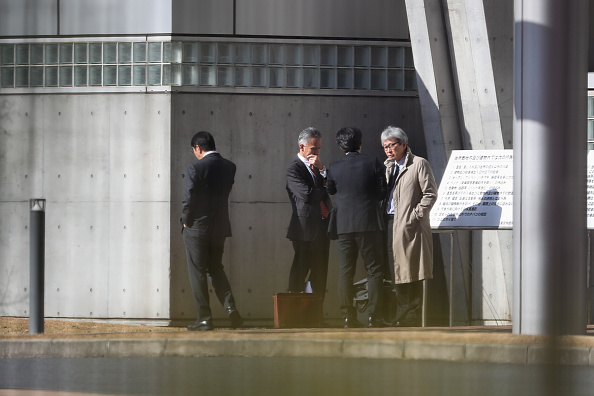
x=102 y=162
x=372 y=19
x=259 y=133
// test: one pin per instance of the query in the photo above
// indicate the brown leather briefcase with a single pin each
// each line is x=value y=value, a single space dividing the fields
x=293 y=310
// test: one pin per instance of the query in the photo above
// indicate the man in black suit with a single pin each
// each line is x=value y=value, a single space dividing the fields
x=308 y=228
x=205 y=220
x=359 y=184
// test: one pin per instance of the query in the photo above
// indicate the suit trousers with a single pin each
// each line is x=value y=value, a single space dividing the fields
x=409 y=296
x=370 y=245
x=204 y=257
x=311 y=257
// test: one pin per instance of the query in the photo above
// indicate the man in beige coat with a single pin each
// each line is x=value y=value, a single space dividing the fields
x=412 y=191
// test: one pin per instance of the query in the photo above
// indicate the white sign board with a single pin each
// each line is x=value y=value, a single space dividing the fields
x=590 y=199
x=476 y=191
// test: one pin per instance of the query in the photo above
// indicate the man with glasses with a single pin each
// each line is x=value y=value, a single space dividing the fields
x=412 y=191
x=205 y=225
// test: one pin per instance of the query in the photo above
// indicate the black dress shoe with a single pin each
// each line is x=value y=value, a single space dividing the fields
x=201 y=325
x=352 y=323
x=374 y=322
x=236 y=319
x=409 y=323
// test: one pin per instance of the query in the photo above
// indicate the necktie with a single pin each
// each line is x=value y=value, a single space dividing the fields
x=323 y=206
x=393 y=177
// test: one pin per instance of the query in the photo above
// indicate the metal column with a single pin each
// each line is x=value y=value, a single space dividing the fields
x=550 y=77
x=36 y=266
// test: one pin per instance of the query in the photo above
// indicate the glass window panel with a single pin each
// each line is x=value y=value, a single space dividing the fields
x=65 y=76
x=327 y=78
x=110 y=53
x=139 y=52
x=225 y=76
x=154 y=52
x=276 y=77
x=225 y=53
x=189 y=74
x=66 y=53
x=328 y=55
x=590 y=129
x=591 y=106
x=22 y=54
x=379 y=57
x=344 y=78
x=80 y=76
x=395 y=79
x=345 y=56
x=37 y=76
x=7 y=77
x=124 y=75
x=378 y=79
x=408 y=58
x=172 y=53
x=154 y=75
x=95 y=54
x=21 y=78
x=361 y=79
x=208 y=53
x=242 y=76
x=311 y=55
x=410 y=80
x=37 y=54
x=242 y=53
x=208 y=76
x=293 y=55
x=124 y=52
x=95 y=76
x=110 y=75
x=259 y=54
x=590 y=146
x=293 y=77
x=259 y=77
x=277 y=54
x=362 y=56
x=190 y=52
x=8 y=54
x=310 y=78
x=139 y=75
x=395 y=57
x=80 y=53
x=172 y=75
x=51 y=54
x=51 y=76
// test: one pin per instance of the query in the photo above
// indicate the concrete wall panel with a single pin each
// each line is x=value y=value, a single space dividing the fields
x=138 y=276
x=28 y=18
x=88 y=17
x=76 y=149
x=14 y=258
x=21 y=148
x=202 y=16
x=77 y=259
x=323 y=18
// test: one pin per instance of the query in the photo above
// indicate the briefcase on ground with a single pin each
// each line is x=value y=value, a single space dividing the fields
x=294 y=310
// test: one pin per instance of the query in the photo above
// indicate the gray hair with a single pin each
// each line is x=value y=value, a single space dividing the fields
x=393 y=132
x=307 y=134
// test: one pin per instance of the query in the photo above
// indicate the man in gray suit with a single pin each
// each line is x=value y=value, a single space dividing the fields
x=359 y=184
x=205 y=225
x=308 y=228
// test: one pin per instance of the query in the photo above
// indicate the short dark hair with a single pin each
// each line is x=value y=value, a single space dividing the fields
x=349 y=139
x=204 y=140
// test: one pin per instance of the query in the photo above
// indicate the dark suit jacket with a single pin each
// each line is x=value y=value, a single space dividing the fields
x=359 y=182
x=305 y=199
x=206 y=196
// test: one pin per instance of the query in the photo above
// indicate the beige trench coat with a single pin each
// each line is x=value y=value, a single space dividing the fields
x=415 y=192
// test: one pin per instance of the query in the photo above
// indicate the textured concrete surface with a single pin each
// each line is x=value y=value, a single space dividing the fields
x=458 y=344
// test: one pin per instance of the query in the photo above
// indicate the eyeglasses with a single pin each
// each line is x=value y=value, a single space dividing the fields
x=390 y=145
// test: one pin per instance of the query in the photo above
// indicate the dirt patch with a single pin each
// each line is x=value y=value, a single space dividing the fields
x=20 y=326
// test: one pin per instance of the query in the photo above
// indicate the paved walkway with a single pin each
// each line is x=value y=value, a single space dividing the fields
x=462 y=344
